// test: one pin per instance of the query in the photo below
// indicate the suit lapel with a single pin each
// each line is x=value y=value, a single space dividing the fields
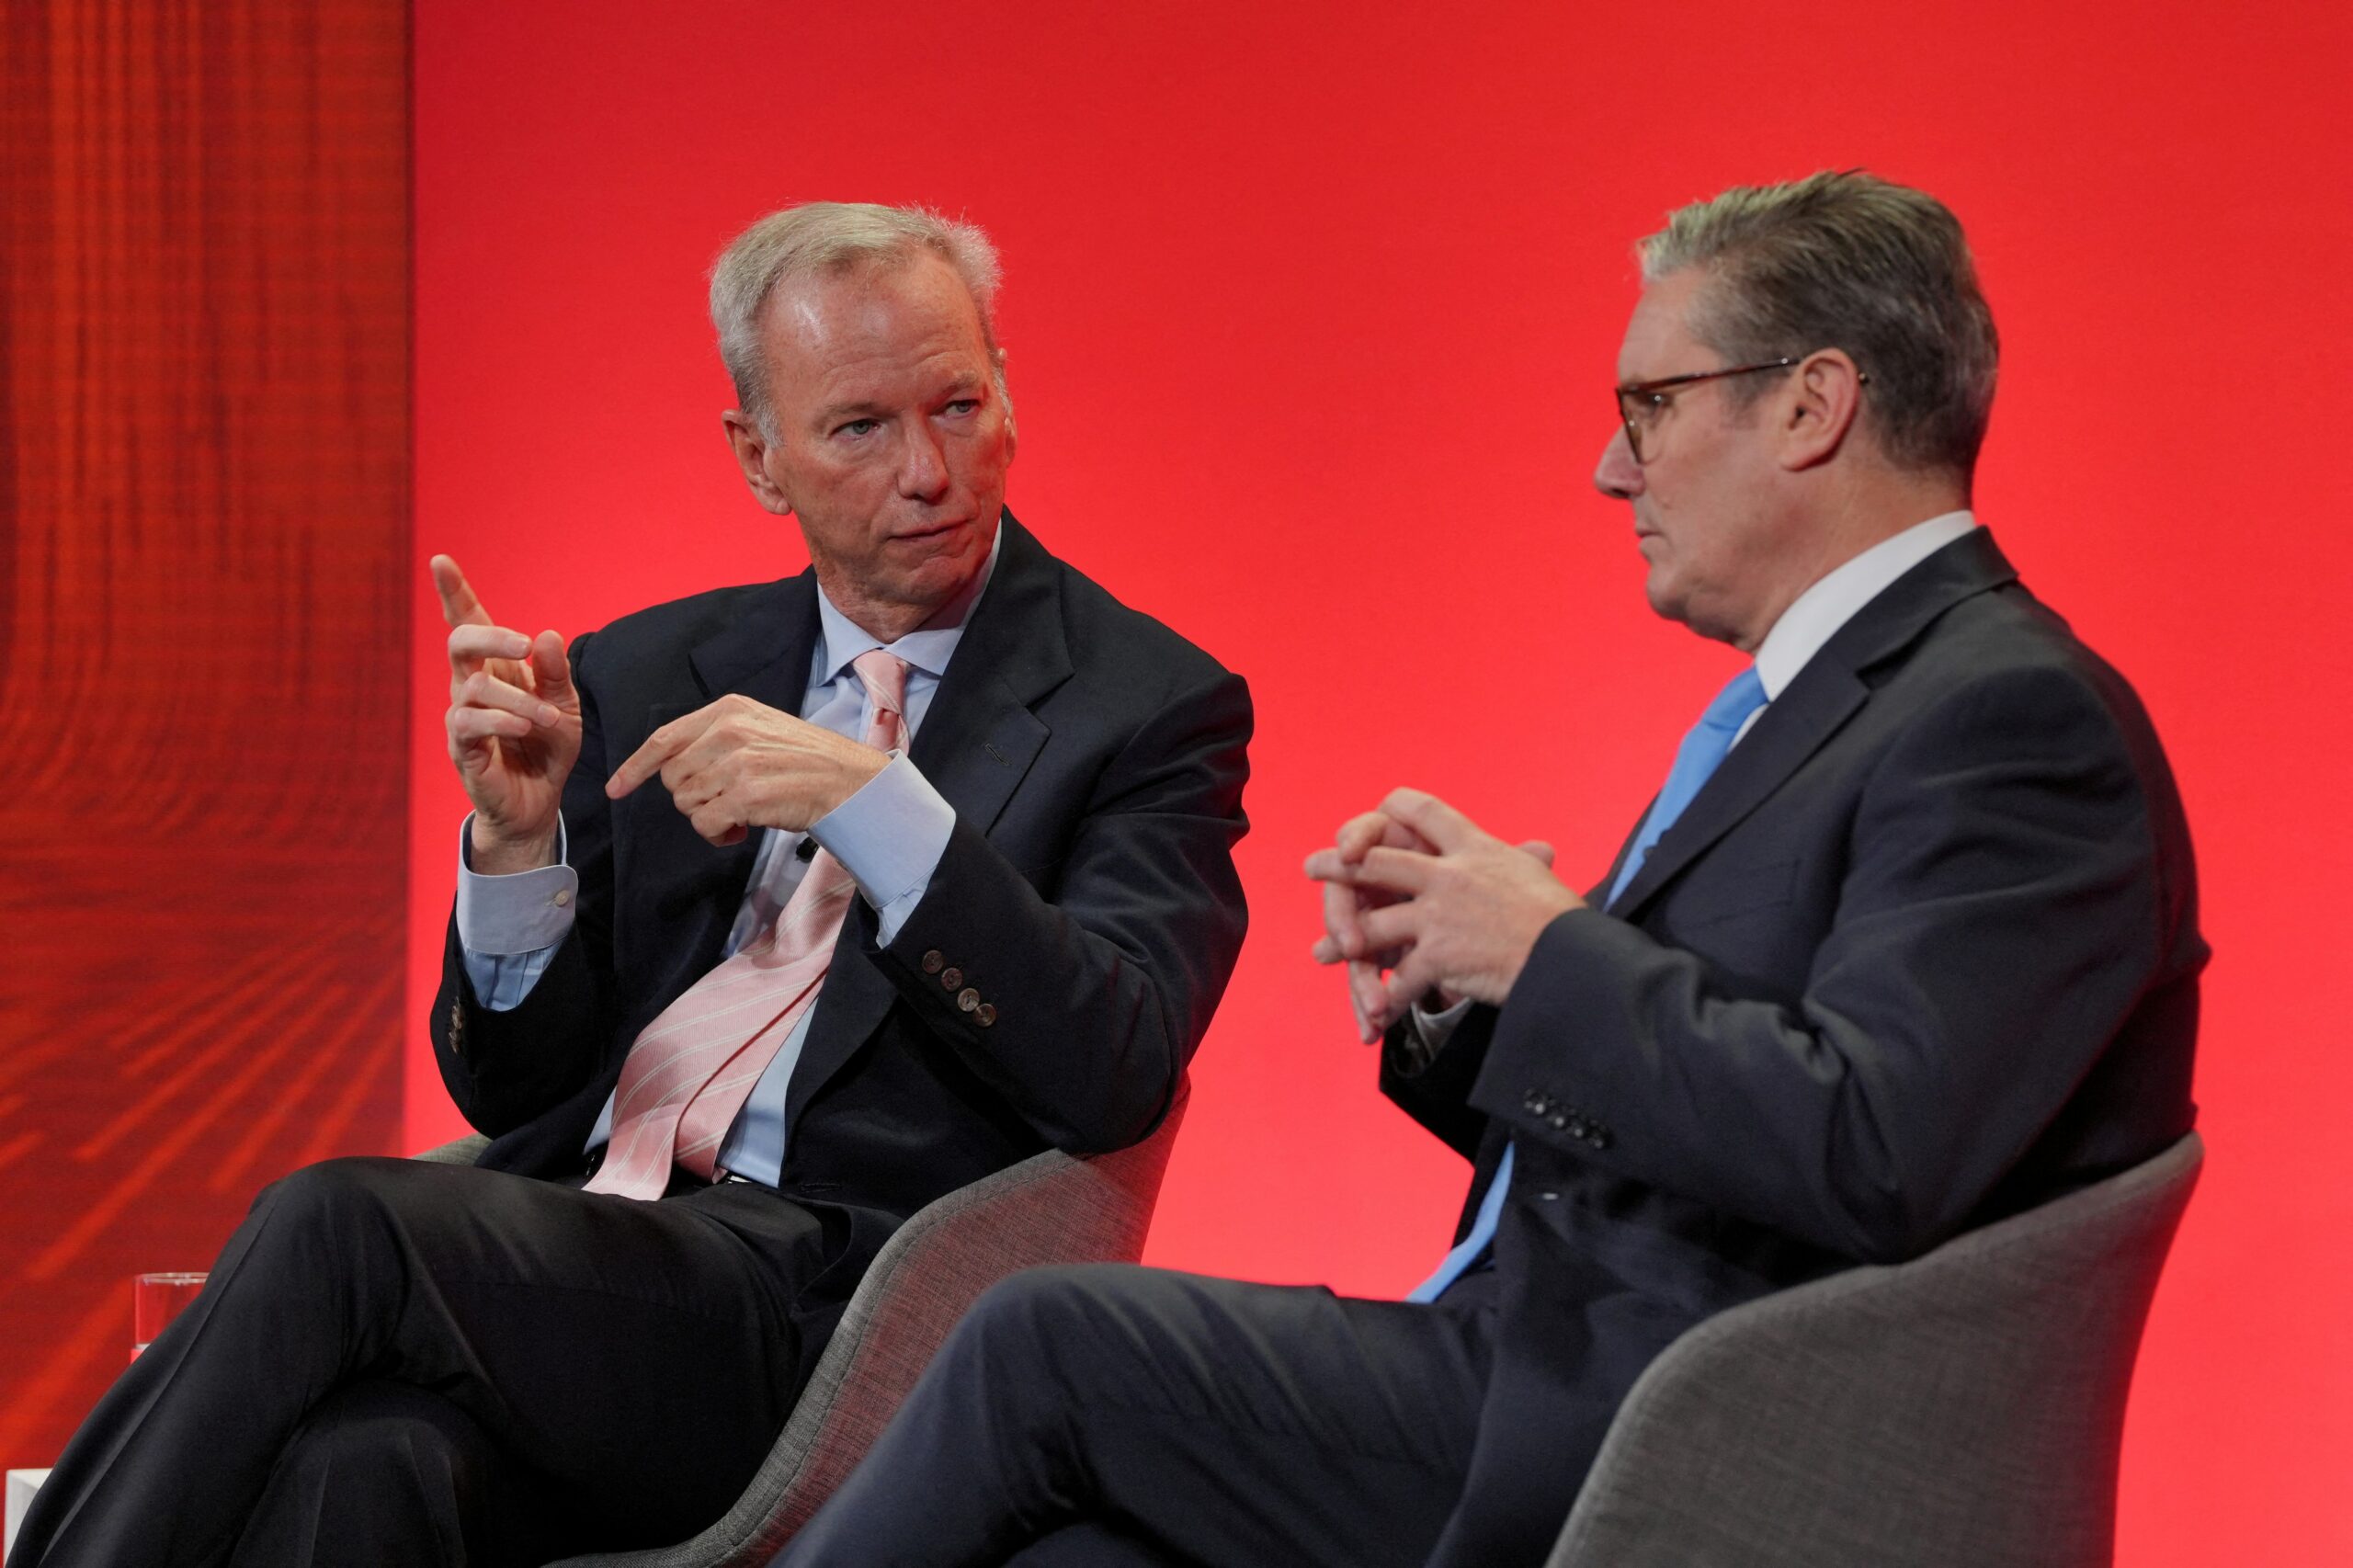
x=980 y=735
x=765 y=656
x=1826 y=694
x=692 y=886
x=978 y=740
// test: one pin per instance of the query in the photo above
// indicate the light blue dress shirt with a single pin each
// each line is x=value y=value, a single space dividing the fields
x=889 y=836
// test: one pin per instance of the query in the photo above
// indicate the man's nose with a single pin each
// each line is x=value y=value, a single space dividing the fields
x=923 y=466
x=1618 y=475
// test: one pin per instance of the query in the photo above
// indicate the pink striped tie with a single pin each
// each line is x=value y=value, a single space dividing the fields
x=691 y=1070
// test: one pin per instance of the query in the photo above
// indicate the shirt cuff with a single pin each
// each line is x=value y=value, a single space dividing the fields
x=1429 y=1031
x=889 y=836
x=520 y=913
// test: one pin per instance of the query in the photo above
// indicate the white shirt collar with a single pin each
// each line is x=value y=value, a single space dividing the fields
x=841 y=639
x=1818 y=614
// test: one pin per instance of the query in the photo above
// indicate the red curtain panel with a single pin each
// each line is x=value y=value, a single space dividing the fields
x=204 y=458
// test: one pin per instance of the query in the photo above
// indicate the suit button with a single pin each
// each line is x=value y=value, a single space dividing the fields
x=968 y=999
x=984 y=1014
x=1560 y=1123
x=1537 y=1102
x=951 y=977
x=1577 y=1127
x=932 y=961
x=1600 y=1138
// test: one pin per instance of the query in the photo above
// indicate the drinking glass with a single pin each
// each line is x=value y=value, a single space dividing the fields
x=155 y=1300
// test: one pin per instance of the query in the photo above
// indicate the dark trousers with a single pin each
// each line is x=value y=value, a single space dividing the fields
x=1109 y=1415
x=403 y=1363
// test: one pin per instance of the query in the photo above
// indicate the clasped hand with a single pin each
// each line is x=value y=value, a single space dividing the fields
x=1419 y=901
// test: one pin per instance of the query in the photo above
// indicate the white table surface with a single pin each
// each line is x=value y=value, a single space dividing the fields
x=22 y=1484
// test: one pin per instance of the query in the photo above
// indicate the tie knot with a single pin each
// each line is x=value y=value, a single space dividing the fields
x=884 y=675
x=1741 y=696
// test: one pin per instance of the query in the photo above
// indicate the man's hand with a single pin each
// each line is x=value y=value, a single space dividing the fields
x=514 y=724
x=1345 y=906
x=737 y=765
x=1417 y=889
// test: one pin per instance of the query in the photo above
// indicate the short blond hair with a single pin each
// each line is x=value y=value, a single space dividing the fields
x=824 y=237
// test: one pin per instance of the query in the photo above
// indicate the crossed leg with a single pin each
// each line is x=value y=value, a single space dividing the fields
x=1114 y=1413
x=387 y=1336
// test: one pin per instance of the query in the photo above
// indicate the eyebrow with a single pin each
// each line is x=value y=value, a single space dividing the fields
x=835 y=413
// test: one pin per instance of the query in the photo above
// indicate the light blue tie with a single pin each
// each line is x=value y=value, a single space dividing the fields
x=1702 y=752
x=1704 y=748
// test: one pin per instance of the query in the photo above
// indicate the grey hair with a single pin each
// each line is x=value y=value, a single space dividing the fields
x=832 y=237
x=1847 y=260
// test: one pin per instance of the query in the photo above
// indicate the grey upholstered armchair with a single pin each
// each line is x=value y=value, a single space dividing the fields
x=1964 y=1410
x=1052 y=1208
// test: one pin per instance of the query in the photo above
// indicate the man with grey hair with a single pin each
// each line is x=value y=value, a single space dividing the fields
x=1907 y=942
x=783 y=910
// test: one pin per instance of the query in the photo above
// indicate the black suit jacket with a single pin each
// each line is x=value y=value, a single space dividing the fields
x=1923 y=952
x=1095 y=762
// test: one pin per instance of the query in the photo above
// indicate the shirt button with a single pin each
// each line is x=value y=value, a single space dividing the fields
x=951 y=977
x=968 y=999
x=562 y=897
x=932 y=961
x=985 y=1014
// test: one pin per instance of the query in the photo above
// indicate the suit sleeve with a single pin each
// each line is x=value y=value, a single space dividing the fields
x=1434 y=1089
x=1084 y=1007
x=1999 y=917
x=503 y=1068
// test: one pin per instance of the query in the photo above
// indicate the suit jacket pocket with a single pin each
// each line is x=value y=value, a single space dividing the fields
x=1730 y=892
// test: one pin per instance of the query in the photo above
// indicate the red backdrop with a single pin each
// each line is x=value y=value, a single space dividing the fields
x=1312 y=309
x=204 y=339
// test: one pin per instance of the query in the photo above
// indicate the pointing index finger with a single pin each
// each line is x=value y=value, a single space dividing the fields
x=460 y=606
x=659 y=748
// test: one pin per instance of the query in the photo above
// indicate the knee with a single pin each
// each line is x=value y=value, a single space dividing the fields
x=1037 y=1303
x=334 y=1211
x=331 y=1194
x=1034 y=1320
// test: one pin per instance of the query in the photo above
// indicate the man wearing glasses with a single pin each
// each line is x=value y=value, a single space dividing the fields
x=1907 y=942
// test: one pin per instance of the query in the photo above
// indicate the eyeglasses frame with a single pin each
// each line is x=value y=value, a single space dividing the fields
x=1652 y=389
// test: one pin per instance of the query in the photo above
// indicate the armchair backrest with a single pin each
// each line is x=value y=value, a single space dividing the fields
x=1963 y=1410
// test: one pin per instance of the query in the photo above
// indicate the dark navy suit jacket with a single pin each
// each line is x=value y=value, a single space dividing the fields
x=1095 y=761
x=1923 y=952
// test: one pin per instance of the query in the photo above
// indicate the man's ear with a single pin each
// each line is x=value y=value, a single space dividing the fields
x=1012 y=427
x=1823 y=402
x=750 y=446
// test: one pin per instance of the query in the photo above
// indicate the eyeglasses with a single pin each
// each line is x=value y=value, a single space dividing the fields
x=1640 y=404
